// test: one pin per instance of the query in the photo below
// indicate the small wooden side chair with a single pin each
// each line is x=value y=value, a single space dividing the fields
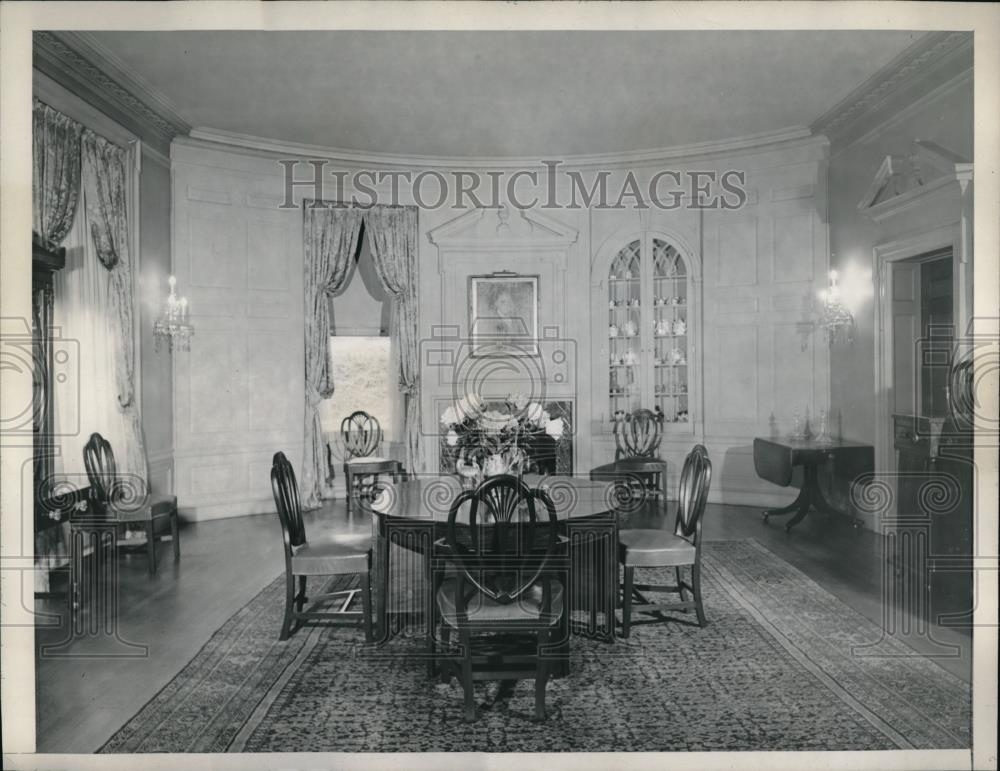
x=330 y=556
x=637 y=447
x=640 y=548
x=508 y=575
x=126 y=503
x=362 y=438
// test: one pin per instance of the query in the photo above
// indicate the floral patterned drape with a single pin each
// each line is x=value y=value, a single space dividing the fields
x=105 y=174
x=55 y=155
x=330 y=239
x=392 y=237
x=104 y=177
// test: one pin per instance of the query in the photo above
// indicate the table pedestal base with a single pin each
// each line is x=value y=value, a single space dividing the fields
x=809 y=496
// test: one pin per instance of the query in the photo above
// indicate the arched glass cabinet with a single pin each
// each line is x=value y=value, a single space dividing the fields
x=649 y=354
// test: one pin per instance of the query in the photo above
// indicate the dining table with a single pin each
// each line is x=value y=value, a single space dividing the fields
x=410 y=515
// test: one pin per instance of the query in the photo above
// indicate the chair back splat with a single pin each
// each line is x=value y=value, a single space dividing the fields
x=361 y=433
x=286 y=500
x=696 y=476
x=504 y=545
x=638 y=434
x=102 y=475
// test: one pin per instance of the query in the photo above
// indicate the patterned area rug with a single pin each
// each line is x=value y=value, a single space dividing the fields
x=773 y=670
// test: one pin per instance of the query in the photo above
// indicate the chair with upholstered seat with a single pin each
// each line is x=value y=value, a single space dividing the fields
x=637 y=444
x=340 y=555
x=126 y=503
x=509 y=564
x=677 y=549
x=362 y=438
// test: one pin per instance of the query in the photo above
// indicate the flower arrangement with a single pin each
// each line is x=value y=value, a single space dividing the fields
x=486 y=442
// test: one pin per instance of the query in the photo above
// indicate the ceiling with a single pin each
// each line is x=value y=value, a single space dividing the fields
x=495 y=94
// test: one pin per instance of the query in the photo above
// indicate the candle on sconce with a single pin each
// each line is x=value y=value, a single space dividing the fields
x=172 y=325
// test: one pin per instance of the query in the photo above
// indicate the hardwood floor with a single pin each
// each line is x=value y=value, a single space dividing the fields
x=81 y=701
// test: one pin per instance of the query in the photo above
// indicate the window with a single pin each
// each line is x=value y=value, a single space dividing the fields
x=362 y=377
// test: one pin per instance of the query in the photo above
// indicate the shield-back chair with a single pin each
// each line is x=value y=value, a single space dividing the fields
x=677 y=548
x=361 y=435
x=127 y=503
x=637 y=462
x=339 y=555
x=509 y=563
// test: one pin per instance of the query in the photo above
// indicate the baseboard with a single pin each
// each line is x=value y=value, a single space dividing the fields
x=207 y=512
x=753 y=498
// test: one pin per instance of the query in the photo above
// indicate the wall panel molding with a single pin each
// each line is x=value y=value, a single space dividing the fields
x=239 y=392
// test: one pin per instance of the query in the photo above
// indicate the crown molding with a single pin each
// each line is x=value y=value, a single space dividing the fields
x=933 y=65
x=78 y=64
x=120 y=72
x=276 y=148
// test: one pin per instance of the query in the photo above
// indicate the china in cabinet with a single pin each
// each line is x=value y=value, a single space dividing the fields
x=649 y=342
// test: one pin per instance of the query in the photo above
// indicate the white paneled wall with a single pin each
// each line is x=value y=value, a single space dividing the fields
x=763 y=360
x=239 y=391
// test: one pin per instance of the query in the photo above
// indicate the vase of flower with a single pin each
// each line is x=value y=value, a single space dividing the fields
x=487 y=442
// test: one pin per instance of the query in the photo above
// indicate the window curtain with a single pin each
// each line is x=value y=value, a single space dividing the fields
x=330 y=240
x=55 y=155
x=392 y=237
x=89 y=402
x=106 y=173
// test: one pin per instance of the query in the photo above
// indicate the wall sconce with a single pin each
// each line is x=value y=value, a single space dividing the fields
x=172 y=325
x=834 y=317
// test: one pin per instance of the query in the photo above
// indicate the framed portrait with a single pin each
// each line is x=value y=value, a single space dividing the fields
x=503 y=315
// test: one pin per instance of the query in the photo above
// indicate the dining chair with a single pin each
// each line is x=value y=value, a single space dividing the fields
x=679 y=548
x=508 y=571
x=126 y=502
x=362 y=438
x=637 y=462
x=336 y=555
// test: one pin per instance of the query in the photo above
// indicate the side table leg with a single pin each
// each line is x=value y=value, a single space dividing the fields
x=796 y=505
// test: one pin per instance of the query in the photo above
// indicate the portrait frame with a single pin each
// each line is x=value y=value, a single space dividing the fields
x=503 y=315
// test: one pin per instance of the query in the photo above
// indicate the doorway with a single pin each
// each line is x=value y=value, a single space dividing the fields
x=923 y=334
x=911 y=364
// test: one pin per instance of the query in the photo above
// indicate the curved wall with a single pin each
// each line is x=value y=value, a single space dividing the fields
x=238 y=254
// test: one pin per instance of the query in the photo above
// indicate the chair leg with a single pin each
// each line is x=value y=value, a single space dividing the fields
x=541 y=676
x=465 y=639
x=366 y=605
x=696 y=588
x=300 y=599
x=286 y=623
x=349 y=480
x=627 y=600
x=680 y=588
x=151 y=546
x=175 y=536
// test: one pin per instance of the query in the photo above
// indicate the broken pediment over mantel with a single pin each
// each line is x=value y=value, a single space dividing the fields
x=904 y=181
x=503 y=226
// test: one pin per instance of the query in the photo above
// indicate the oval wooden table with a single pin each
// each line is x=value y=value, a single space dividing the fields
x=414 y=513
